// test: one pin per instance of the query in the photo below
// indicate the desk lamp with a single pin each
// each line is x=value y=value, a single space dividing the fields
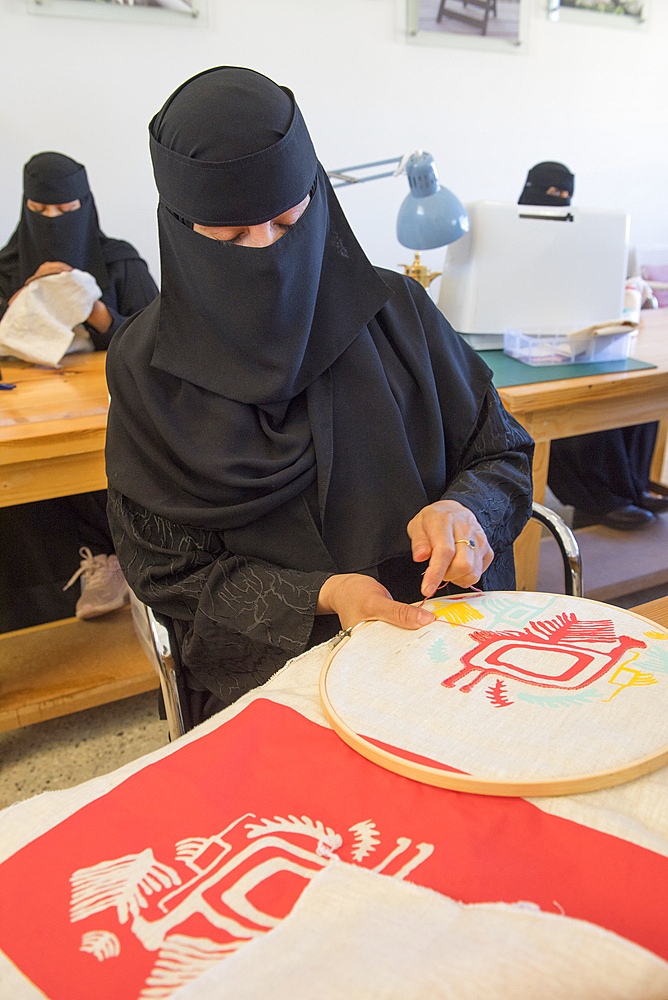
x=430 y=216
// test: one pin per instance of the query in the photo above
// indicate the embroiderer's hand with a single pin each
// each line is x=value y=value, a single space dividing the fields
x=356 y=598
x=100 y=316
x=433 y=533
x=48 y=267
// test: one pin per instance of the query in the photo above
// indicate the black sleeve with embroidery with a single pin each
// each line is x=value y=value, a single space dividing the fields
x=494 y=482
x=242 y=618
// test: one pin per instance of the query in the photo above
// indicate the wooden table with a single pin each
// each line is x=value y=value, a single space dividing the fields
x=656 y=610
x=566 y=407
x=52 y=430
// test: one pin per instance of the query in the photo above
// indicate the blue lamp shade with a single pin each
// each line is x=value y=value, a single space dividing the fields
x=430 y=216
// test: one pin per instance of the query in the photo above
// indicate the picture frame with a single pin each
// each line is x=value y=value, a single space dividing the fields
x=493 y=25
x=626 y=14
x=184 y=13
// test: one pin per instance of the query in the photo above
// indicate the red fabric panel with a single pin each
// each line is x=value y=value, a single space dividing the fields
x=270 y=761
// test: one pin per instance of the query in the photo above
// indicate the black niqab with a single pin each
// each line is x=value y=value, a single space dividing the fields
x=75 y=238
x=544 y=176
x=240 y=398
x=264 y=321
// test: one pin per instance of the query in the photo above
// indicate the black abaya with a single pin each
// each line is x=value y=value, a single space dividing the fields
x=39 y=542
x=601 y=472
x=282 y=411
x=244 y=599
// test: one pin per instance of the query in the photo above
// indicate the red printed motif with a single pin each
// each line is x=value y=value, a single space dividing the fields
x=498 y=695
x=569 y=657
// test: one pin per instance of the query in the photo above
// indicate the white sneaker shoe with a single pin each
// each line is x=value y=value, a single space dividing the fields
x=103 y=586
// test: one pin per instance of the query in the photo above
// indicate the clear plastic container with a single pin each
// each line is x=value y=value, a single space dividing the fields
x=561 y=346
x=483 y=341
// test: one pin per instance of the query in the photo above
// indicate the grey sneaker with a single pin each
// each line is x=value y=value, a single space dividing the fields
x=103 y=586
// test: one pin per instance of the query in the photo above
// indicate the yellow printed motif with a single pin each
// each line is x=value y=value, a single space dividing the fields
x=455 y=614
x=657 y=635
x=625 y=677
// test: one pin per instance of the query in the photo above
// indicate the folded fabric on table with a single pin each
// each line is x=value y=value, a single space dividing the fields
x=38 y=324
x=354 y=933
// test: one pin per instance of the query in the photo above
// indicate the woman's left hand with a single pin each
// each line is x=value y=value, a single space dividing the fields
x=438 y=533
x=100 y=317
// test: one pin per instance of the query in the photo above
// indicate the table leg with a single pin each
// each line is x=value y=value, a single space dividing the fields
x=527 y=546
x=658 y=472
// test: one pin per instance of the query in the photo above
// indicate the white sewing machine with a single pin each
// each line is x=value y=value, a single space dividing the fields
x=529 y=266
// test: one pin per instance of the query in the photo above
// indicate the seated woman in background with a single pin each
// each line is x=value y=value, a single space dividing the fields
x=604 y=475
x=40 y=542
x=292 y=432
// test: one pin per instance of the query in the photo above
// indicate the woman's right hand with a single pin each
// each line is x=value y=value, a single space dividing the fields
x=356 y=598
x=48 y=267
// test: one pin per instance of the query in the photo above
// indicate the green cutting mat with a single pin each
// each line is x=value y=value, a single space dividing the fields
x=510 y=371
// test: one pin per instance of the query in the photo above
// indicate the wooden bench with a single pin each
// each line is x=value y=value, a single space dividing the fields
x=68 y=665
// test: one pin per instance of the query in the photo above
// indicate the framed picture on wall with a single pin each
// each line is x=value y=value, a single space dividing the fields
x=602 y=13
x=481 y=24
x=140 y=11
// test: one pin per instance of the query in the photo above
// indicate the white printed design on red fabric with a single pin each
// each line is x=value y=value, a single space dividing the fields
x=226 y=874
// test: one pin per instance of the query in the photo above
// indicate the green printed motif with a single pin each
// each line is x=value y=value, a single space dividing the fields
x=559 y=700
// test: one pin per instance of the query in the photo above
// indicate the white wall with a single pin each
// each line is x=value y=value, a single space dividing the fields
x=592 y=97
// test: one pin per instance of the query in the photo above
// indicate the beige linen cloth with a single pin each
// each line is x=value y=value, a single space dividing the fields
x=356 y=934
x=38 y=325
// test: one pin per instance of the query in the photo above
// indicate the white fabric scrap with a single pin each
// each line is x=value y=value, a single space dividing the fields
x=354 y=933
x=38 y=324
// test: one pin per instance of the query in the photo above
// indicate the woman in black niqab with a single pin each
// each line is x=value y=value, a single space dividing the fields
x=40 y=542
x=279 y=415
x=548 y=183
x=72 y=237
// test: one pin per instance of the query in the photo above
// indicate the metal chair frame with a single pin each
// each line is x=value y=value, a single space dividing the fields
x=162 y=651
x=568 y=547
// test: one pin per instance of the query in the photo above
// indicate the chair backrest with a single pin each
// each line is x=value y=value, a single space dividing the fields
x=160 y=648
x=568 y=547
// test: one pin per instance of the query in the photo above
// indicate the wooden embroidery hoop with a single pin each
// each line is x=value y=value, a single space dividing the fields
x=454 y=780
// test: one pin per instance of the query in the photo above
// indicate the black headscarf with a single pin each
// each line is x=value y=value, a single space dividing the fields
x=75 y=238
x=245 y=388
x=544 y=176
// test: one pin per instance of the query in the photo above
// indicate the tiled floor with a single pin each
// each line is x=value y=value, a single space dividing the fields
x=66 y=751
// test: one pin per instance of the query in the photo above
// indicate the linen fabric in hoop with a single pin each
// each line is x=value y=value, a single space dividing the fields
x=506 y=694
